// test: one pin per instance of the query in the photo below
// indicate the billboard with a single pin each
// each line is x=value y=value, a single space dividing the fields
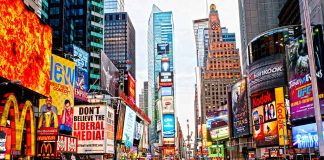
x=57 y=110
x=217 y=124
x=110 y=131
x=167 y=104
x=81 y=73
x=5 y=142
x=109 y=75
x=165 y=79
x=165 y=65
x=129 y=127
x=240 y=111
x=264 y=118
x=67 y=144
x=216 y=151
x=26 y=46
x=163 y=48
x=120 y=125
x=166 y=91
x=131 y=87
x=168 y=126
x=305 y=136
x=300 y=88
x=281 y=115
x=138 y=131
x=267 y=73
x=89 y=128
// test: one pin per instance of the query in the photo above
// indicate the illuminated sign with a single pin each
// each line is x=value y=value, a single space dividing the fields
x=166 y=79
x=166 y=91
x=165 y=66
x=46 y=149
x=167 y=104
x=131 y=88
x=168 y=126
x=305 y=136
x=66 y=144
x=25 y=46
x=216 y=151
x=281 y=115
x=46 y=138
x=81 y=73
x=129 y=127
x=217 y=124
x=163 y=48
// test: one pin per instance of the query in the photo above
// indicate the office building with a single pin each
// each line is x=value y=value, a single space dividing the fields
x=112 y=6
x=256 y=16
x=143 y=98
x=119 y=41
x=201 y=38
x=40 y=7
x=222 y=67
x=228 y=37
x=290 y=13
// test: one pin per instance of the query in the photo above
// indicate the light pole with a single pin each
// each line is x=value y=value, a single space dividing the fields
x=310 y=50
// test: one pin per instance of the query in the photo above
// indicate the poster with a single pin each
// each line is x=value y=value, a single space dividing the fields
x=300 y=88
x=110 y=125
x=81 y=73
x=131 y=88
x=240 y=111
x=120 y=125
x=56 y=111
x=217 y=124
x=89 y=128
x=281 y=116
x=129 y=127
x=138 y=131
x=167 y=104
x=26 y=46
x=109 y=75
x=168 y=126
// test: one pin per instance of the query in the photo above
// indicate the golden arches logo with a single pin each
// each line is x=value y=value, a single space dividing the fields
x=46 y=150
x=19 y=120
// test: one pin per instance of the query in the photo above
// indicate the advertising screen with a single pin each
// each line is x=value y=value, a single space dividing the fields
x=217 y=124
x=216 y=151
x=120 y=125
x=109 y=75
x=138 y=130
x=110 y=130
x=5 y=142
x=26 y=46
x=264 y=118
x=89 y=128
x=165 y=65
x=81 y=63
x=57 y=110
x=167 y=104
x=131 y=87
x=166 y=91
x=300 y=89
x=163 y=48
x=166 y=79
x=305 y=136
x=168 y=126
x=129 y=127
x=240 y=111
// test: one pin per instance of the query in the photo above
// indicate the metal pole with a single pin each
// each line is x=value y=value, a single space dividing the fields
x=283 y=133
x=317 y=110
x=309 y=152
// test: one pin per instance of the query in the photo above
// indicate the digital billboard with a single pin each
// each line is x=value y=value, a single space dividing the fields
x=300 y=88
x=166 y=91
x=129 y=127
x=305 y=136
x=168 y=126
x=167 y=104
x=81 y=63
x=120 y=125
x=57 y=110
x=163 y=48
x=216 y=151
x=264 y=118
x=165 y=79
x=26 y=46
x=131 y=88
x=89 y=127
x=109 y=75
x=217 y=124
x=165 y=65
x=240 y=111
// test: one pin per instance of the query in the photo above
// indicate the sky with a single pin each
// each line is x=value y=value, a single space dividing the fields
x=184 y=12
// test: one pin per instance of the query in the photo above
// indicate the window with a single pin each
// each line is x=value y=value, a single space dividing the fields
x=55 y=11
x=55 y=1
x=54 y=22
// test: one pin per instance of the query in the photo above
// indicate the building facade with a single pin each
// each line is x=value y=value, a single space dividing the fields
x=119 y=41
x=201 y=38
x=40 y=7
x=112 y=6
x=256 y=16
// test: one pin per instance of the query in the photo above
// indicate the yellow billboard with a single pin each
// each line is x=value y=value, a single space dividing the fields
x=281 y=116
x=57 y=110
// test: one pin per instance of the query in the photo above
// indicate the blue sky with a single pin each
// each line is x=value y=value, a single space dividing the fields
x=184 y=12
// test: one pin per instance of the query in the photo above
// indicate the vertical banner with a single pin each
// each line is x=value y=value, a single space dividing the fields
x=129 y=127
x=120 y=125
x=168 y=126
x=81 y=73
x=110 y=130
x=88 y=127
x=281 y=116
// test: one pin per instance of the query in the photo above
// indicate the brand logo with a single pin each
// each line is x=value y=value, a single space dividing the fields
x=46 y=150
x=264 y=72
x=259 y=100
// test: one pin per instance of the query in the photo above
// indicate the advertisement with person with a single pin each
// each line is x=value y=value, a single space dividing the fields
x=305 y=136
x=129 y=127
x=168 y=126
x=109 y=75
x=26 y=46
x=300 y=89
x=264 y=121
x=56 y=111
x=240 y=111
x=217 y=124
x=89 y=128
x=167 y=104
x=163 y=48
x=81 y=73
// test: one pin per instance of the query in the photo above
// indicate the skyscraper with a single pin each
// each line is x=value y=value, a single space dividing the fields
x=143 y=98
x=112 y=6
x=256 y=16
x=160 y=50
x=40 y=7
x=201 y=38
x=119 y=41
x=222 y=67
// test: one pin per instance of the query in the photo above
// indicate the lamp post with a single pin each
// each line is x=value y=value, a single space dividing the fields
x=310 y=50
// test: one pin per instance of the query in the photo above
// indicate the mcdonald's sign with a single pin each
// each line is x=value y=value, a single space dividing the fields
x=46 y=149
x=21 y=115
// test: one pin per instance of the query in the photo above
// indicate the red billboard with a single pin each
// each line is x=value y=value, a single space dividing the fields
x=25 y=46
x=131 y=88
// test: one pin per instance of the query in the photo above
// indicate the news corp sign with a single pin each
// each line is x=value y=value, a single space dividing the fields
x=267 y=73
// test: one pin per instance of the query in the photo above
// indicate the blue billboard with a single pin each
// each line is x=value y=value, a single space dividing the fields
x=166 y=91
x=305 y=136
x=81 y=61
x=129 y=127
x=168 y=126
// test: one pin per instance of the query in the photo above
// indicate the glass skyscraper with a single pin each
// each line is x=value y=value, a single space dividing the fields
x=160 y=31
x=112 y=6
x=201 y=38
